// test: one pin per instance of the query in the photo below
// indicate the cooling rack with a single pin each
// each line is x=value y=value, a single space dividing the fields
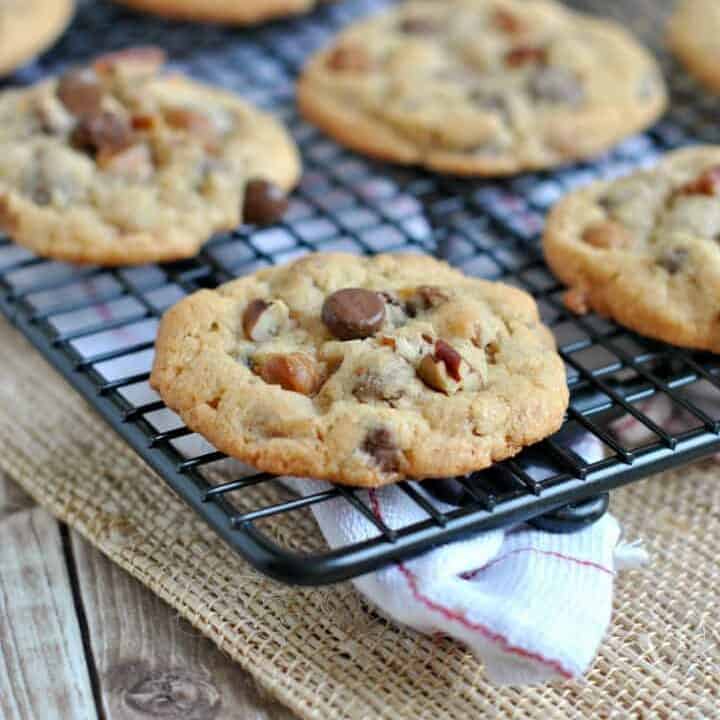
x=97 y=326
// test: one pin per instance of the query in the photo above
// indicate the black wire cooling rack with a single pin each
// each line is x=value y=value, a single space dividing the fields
x=97 y=326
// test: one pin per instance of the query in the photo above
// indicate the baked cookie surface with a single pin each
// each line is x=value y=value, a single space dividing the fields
x=694 y=36
x=118 y=163
x=482 y=87
x=240 y=12
x=645 y=249
x=27 y=27
x=358 y=371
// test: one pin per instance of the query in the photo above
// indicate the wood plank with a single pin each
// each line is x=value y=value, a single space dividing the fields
x=151 y=663
x=43 y=672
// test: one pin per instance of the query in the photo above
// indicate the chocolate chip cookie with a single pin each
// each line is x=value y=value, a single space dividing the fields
x=482 y=87
x=645 y=250
x=238 y=12
x=27 y=27
x=694 y=36
x=362 y=371
x=119 y=163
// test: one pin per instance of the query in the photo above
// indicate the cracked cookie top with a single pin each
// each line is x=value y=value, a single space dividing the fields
x=645 y=249
x=362 y=371
x=120 y=163
x=482 y=87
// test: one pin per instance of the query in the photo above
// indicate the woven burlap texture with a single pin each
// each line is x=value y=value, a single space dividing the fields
x=322 y=651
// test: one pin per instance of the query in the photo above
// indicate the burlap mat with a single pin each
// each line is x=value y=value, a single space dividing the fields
x=321 y=651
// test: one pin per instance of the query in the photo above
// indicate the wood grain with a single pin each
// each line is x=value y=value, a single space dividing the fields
x=152 y=664
x=43 y=673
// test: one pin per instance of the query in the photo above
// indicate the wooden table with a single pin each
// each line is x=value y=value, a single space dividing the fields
x=81 y=639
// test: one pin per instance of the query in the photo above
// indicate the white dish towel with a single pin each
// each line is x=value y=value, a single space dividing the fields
x=533 y=606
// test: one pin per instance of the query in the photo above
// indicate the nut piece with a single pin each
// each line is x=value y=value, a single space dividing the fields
x=425 y=297
x=193 y=121
x=134 y=162
x=140 y=60
x=353 y=313
x=525 y=55
x=349 y=58
x=382 y=448
x=264 y=203
x=507 y=22
x=608 y=235
x=80 y=92
x=296 y=372
x=419 y=25
x=557 y=85
x=105 y=132
x=444 y=370
x=707 y=183
x=263 y=320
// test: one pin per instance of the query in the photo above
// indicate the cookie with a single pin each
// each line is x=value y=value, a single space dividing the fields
x=358 y=371
x=118 y=163
x=482 y=87
x=694 y=36
x=237 y=12
x=27 y=27
x=644 y=249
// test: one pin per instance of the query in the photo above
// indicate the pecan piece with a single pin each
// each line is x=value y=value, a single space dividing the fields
x=707 y=183
x=444 y=369
x=380 y=444
x=263 y=320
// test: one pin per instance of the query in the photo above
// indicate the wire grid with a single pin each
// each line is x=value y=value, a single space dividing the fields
x=97 y=326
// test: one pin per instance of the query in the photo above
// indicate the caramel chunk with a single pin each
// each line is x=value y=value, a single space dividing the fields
x=296 y=372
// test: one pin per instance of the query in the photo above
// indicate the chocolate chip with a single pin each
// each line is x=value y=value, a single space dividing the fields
x=349 y=58
x=419 y=25
x=102 y=132
x=353 y=313
x=80 y=92
x=557 y=85
x=674 y=260
x=380 y=445
x=525 y=55
x=264 y=203
x=446 y=354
